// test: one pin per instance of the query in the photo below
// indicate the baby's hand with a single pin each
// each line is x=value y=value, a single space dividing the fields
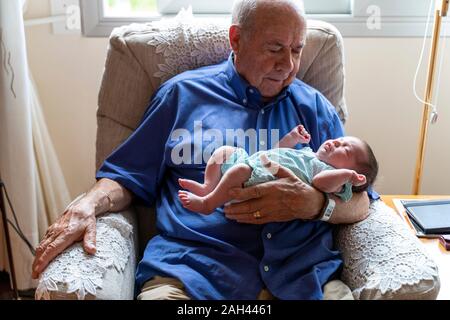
x=357 y=179
x=295 y=136
x=302 y=134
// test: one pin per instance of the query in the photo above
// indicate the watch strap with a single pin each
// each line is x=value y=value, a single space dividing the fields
x=328 y=208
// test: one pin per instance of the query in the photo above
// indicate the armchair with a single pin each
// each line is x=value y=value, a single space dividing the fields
x=382 y=259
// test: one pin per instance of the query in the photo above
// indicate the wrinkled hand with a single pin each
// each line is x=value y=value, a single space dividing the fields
x=285 y=199
x=77 y=223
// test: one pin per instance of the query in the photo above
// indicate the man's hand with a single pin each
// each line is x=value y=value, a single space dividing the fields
x=76 y=224
x=285 y=199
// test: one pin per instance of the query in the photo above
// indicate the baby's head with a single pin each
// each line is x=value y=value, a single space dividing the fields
x=350 y=153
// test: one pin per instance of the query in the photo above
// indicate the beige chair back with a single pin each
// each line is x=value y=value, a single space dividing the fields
x=142 y=56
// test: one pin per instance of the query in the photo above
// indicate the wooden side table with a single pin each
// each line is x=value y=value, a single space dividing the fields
x=432 y=246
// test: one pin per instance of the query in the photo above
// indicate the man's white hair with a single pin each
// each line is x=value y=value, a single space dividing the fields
x=243 y=10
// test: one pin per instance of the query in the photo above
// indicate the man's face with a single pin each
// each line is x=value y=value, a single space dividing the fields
x=268 y=56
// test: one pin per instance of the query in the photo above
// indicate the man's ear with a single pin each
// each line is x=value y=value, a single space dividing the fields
x=234 y=35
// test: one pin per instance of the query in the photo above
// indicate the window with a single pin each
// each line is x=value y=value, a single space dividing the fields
x=156 y=8
x=130 y=8
x=354 y=18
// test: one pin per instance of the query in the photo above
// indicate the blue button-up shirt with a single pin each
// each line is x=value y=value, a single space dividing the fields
x=217 y=258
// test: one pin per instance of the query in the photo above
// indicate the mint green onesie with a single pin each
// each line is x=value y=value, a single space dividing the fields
x=303 y=163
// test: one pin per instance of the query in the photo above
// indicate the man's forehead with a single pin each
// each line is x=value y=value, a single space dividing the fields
x=282 y=30
x=294 y=42
x=291 y=37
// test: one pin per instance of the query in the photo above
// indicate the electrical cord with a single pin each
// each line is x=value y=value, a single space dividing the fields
x=16 y=227
x=430 y=9
x=434 y=113
x=441 y=59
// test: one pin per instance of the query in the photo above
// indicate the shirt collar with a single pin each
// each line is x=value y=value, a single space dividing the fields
x=246 y=93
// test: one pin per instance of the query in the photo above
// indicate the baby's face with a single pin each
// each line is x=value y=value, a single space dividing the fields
x=342 y=153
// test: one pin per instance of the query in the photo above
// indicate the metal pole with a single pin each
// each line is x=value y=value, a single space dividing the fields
x=8 y=242
x=441 y=11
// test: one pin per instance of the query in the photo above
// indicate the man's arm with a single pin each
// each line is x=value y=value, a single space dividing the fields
x=289 y=198
x=78 y=222
x=119 y=197
x=357 y=209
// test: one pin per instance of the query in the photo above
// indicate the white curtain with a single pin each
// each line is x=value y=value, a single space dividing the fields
x=28 y=163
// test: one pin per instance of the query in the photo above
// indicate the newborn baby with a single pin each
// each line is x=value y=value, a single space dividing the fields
x=340 y=166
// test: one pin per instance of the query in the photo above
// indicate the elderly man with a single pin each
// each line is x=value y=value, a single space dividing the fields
x=277 y=241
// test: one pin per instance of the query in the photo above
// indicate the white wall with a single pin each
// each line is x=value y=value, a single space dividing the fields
x=383 y=110
x=67 y=70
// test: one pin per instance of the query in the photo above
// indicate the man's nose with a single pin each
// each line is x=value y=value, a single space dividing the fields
x=286 y=62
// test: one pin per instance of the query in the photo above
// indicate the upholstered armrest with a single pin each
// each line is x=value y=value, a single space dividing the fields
x=384 y=260
x=107 y=275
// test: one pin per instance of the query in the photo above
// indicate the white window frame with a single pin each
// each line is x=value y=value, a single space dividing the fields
x=399 y=18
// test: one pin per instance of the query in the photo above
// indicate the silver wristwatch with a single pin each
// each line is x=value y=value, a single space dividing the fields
x=328 y=208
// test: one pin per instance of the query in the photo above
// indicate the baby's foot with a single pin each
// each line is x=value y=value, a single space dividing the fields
x=358 y=179
x=192 y=202
x=194 y=187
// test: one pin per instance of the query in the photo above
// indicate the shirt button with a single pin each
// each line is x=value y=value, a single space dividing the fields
x=262 y=111
x=262 y=142
x=269 y=235
x=251 y=90
x=244 y=101
x=266 y=268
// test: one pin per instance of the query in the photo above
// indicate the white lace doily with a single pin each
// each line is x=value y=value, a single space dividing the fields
x=74 y=271
x=380 y=253
x=188 y=43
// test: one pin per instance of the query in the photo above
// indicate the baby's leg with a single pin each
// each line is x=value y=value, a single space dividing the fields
x=234 y=177
x=212 y=173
